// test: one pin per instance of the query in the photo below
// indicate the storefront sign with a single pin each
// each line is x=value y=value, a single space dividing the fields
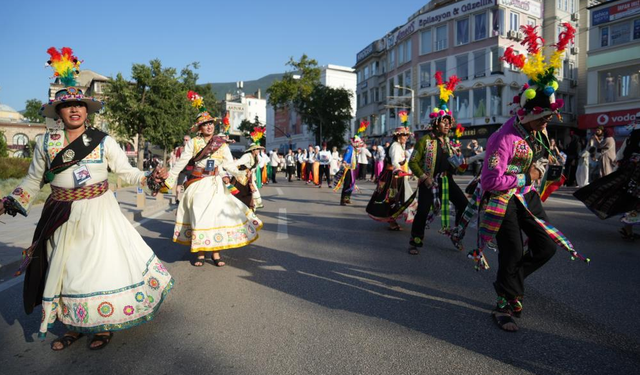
x=615 y=12
x=365 y=52
x=440 y=15
x=612 y=118
x=530 y=7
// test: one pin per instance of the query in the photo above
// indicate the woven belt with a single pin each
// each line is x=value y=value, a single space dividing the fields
x=85 y=192
x=201 y=172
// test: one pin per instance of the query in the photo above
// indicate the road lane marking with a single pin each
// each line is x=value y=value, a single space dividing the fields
x=280 y=192
x=154 y=216
x=283 y=232
x=351 y=286
x=567 y=201
x=11 y=282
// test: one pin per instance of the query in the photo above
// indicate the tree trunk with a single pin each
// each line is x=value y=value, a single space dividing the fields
x=140 y=151
x=164 y=158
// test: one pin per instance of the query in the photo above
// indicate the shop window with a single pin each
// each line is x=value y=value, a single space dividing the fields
x=604 y=36
x=479 y=102
x=460 y=105
x=496 y=100
x=620 y=33
x=619 y=84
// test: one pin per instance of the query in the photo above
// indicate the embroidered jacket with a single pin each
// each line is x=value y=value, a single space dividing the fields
x=423 y=157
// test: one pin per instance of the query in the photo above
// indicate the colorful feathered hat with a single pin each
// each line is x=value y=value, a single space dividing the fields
x=404 y=129
x=537 y=97
x=66 y=67
x=446 y=92
x=203 y=117
x=256 y=135
x=357 y=141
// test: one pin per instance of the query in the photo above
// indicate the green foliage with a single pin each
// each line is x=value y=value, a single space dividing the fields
x=154 y=105
x=32 y=111
x=325 y=110
x=13 y=167
x=4 y=150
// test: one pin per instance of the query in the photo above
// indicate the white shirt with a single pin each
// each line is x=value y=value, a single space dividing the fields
x=324 y=157
x=363 y=154
x=275 y=160
x=311 y=157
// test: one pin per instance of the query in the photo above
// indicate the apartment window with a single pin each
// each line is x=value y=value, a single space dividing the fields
x=604 y=36
x=480 y=26
x=360 y=76
x=407 y=78
x=365 y=98
x=374 y=68
x=425 y=75
x=425 y=109
x=441 y=38
x=568 y=103
x=461 y=105
x=392 y=59
x=426 y=41
x=514 y=21
x=366 y=72
x=479 y=102
x=496 y=100
x=498 y=22
x=407 y=50
x=441 y=66
x=531 y=21
x=620 y=33
x=391 y=86
x=383 y=91
x=496 y=63
x=400 y=80
x=20 y=139
x=400 y=54
x=462 y=31
x=636 y=29
x=566 y=72
x=572 y=4
x=462 y=66
x=480 y=65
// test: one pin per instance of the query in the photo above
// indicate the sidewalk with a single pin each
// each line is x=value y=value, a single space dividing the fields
x=16 y=234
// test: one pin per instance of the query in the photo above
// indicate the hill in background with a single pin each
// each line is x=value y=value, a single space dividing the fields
x=250 y=87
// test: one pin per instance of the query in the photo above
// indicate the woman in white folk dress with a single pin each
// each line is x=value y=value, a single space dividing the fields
x=209 y=218
x=87 y=266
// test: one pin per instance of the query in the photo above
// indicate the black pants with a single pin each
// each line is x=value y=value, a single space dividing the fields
x=274 y=170
x=299 y=170
x=290 y=171
x=513 y=265
x=324 y=171
x=425 y=201
x=571 y=166
x=345 y=186
x=362 y=171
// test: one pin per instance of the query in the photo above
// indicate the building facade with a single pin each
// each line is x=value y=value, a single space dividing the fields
x=244 y=107
x=454 y=37
x=285 y=129
x=613 y=66
x=18 y=135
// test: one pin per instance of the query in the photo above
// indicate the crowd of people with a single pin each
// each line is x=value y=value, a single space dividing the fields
x=91 y=270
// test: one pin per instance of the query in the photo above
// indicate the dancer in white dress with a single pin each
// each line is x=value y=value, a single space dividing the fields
x=209 y=218
x=87 y=266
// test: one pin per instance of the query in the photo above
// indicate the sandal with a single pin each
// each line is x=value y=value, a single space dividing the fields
x=199 y=262
x=103 y=339
x=413 y=250
x=502 y=319
x=66 y=341
x=396 y=228
x=218 y=262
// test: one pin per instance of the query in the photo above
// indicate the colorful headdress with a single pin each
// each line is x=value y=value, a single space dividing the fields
x=66 y=67
x=404 y=129
x=357 y=141
x=537 y=97
x=256 y=135
x=446 y=92
x=203 y=115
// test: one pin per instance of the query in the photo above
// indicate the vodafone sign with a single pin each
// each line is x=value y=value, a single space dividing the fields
x=613 y=118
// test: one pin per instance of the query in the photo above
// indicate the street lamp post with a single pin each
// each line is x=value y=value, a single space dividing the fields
x=413 y=104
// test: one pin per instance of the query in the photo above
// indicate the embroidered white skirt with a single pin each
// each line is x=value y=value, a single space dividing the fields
x=102 y=276
x=211 y=219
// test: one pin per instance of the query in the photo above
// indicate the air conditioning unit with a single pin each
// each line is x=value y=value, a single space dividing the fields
x=575 y=50
x=520 y=36
x=512 y=34
x=575 y=17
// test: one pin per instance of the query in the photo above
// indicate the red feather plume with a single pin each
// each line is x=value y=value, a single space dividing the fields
x=438 y=77
x=453 y=82
x=512 y=58
x=531 y=39
x=565 y=36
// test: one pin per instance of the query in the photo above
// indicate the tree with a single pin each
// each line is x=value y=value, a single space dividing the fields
x=153 y=105
x=4 y=150
x=325 y=110
x=32 y=111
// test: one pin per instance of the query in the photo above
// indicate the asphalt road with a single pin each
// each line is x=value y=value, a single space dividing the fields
x=326 y=290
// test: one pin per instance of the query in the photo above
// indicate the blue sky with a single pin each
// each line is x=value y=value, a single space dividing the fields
x=232 y=40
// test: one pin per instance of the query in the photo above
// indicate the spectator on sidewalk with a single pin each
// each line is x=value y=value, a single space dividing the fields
x=363 y=161
x=275 y=161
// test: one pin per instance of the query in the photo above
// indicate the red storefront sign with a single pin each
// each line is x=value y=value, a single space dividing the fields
x=612 y=118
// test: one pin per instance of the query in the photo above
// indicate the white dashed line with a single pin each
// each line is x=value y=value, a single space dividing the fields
x=282 y=224
x=280 y=192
